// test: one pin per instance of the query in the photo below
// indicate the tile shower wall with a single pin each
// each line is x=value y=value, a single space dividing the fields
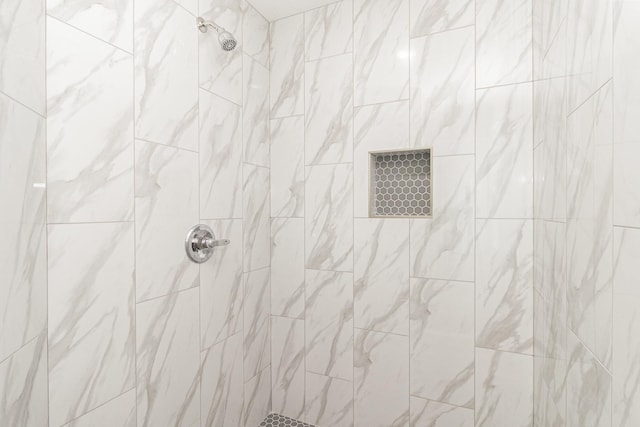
x=398 y=322
x=146 y=127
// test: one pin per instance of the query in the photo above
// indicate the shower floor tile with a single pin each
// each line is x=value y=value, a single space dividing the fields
x=276 y=420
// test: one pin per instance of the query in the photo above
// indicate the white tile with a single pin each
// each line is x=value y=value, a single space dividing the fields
x=255 y=213
x=257 y=398
x=255 y=33
x=257 y=339
x=328 y=30
x=550 y=38
x=626 y=176
x=432 y=16
x=435 y=414
x=626 y=372
x=329 y=401
x=287 y=66
x=255 y=112
x=120 y=411
x=287 y=368
x=287 y=267
x=626 y=243
x=287 y=167
x=626 y=83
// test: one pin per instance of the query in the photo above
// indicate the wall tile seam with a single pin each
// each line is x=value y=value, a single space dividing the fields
x=40 y=115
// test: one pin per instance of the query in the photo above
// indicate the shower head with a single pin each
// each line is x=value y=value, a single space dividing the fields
x=225 y=38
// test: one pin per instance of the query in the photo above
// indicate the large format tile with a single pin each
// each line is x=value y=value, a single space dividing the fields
x=23 y=260
x=168 y=360
x=287 y=267
x=328 y=30
x=329 y=110
x=381 y=64
x=443 y=92
x=166 y=207
x=255 y=34
x=329 y=401
x=435 y=414
x=255 y=214
x=257 y=340
x=91 y=313
x=90 y=168
x=166 y=68
x=287 y=66
x=120 y=411
x=626 y=82
x=441 y=341
x=287 y=369
x=287 y=167
x=626 y=176
x=434 y=16
x=257 y=398
x=549 y=38
x=255 y=112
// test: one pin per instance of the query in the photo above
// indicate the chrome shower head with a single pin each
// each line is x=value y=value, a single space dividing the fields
x=225 y=38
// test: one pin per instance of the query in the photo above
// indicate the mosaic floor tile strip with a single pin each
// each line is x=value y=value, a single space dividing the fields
x=276 y=420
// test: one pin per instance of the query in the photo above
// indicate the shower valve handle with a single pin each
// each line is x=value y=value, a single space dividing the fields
x=201 y=243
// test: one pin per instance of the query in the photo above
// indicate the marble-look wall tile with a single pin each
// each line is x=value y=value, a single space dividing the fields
x=329 y=30
x=443 y=247
x=378 y=127
x=221 y=292
x=23 y=267
x=287 y=66
x=504 y=285
x=504 y=389
x=441 y=341
x=120 y=411
x=220 y=157
x=222 y=384
x=549 y=38
x=91 y=310
x=287 y=167
x=329 y=217
x=329 y=401
x=257 y=340
x=90 y=168
x=435 y=414
x=166 y=73
x=168 y=360
x=626 y=175
x=381 y=379
x=626 y=247
x=166 y=207
x=626 y=83
x=22 y=49
x=255 y=215
x=255 y=34
x=255 y=112
x=329 y=323
x=329 y=110
x=111 y=22
x=443 y=92
x=23 y=385
x=221 y=71
x=287 y=369
x=504 y=144
x=503 y=42
x=434 y=16
x=381 y=275
x=257 y=398
x=287 y=267
x=381 y=64
x=626 y=357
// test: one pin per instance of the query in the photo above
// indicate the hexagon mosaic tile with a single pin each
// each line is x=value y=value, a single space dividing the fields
x=276 y=420
x=401 y=184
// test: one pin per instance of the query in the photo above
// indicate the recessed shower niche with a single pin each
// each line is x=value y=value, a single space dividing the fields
x=400 y=184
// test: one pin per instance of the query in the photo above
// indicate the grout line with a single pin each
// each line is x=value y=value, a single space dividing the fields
x=90 y=35
x=165 y=145
x=42 y=116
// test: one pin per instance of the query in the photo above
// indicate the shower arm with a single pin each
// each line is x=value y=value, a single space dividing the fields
x=202 y=25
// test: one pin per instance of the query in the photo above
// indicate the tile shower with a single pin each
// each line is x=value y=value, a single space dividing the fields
x=515 y=304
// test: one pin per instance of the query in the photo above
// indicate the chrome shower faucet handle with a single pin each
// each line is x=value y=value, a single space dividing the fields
x=201 y=243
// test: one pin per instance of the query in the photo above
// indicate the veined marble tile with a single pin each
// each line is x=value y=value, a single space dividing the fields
x=257 y=353
x=111 y=22
x=442 y=247
x=442 y=341
x=625 y=256
x=329 y=323
x=329 y=217
x=120 y=411
x=549 y=38
x=287 y=66
x=435 y=414
x=221 y=292
x=504 y=389
x=166 y=81
x=220 y=157
x=287 y=267
x=626 y=82
x=23 y=385
x=256 y=218
x=222 y=386
x=166 y=208
x=588 y=388
x=329 y=401
x=381 y=379
x=91 y=312
x=257 y=398
x=443 y=92
x=168 y=362
x=554 y=289
x=287 y=366
x=434 y=16
x=329 y=30
x=381 y=64
x=503 y=42
x=329 y=110
x=221 y=71
x=287 y=167
x=255 y=33
x=255 y=112
x=504 y=148
x=504 y=285
x=381 y=275
x=23 y=258
x=626 y=196
x=22 y=49
x=90 y=167
x=626 y=359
